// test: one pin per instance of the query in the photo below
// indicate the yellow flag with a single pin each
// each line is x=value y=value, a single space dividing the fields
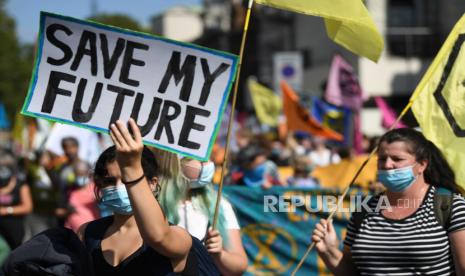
x=268 y=105
x=439 y=101
x=347 y=23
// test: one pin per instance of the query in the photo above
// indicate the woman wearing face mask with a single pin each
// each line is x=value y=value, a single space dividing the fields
x=15 y=200
x=188 y=199
x=81 y=199
x=407 y=238
x=137 y=239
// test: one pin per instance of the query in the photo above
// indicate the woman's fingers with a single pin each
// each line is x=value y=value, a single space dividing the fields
x=320 y=228
x=135 y=130
x=125 y=133
x=114 y=139
x=118 y=137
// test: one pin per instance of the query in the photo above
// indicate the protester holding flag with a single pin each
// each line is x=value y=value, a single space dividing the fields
x=421 y=229
x=138 y=239
x=196 y=212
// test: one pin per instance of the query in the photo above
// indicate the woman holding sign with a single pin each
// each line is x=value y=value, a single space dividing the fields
x=137 y=239
x=421 y=231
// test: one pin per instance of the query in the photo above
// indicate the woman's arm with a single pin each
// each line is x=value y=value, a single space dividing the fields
x=457 y=242
x=232 y=261
x=25 y=205
x=170 y=241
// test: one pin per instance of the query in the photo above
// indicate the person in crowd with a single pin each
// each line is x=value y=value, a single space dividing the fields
x=81 y=198
x=254 y=169
x=15 y=200
x=44 y=194
x=321 y=155
x=137 y=239
x=64 y=178
x=280 y=154
x=301 y=144
x=405 y=237
x=303 y=167
x=195 y=214
x=188 y=199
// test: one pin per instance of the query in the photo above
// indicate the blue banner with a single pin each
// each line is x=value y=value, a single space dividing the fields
x=276 y=226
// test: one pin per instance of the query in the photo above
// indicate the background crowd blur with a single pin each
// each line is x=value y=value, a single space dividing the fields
x=308 y=112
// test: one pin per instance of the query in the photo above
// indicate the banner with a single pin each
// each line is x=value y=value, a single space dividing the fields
x=90 y=75
x=299 y=119
x=277 y=223
x=347 y=23
x=343 y=88
x=439 y=101
x=337 y=118
x=340 y=175
x=389 y=117
x=268 y=105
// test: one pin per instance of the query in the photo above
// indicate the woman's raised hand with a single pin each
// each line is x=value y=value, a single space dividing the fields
x=128 y=147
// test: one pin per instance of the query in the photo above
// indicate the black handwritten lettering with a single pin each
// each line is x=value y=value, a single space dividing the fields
x=78 y=114
x=122 y=93
x=128 y=60
x=187 y=73
x=90 y=38
x=152 y=117
x=53 y=89
x=67 y=52
x=165 y=120
x=189 y=124
x=209 y=79
x=109 y=62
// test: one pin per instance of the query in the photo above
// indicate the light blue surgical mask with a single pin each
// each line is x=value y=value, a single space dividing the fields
x=81 y=181
x=397 y=180
x=116 y=198
x=206 y=175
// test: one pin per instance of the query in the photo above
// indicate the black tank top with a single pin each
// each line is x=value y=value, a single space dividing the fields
x=144 y=261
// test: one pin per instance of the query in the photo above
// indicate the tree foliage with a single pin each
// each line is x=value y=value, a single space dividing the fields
x=15 y=65
x=118 y=20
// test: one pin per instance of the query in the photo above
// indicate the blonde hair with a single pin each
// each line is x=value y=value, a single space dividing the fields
x=175 y=190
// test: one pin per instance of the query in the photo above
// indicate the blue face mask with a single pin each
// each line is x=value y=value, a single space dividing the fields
x=255 y=177
x=81 y=181
x=206 y=176
x=397 y=180
x=117 y=200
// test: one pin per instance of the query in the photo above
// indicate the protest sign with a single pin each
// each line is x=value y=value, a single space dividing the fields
x=90 y=75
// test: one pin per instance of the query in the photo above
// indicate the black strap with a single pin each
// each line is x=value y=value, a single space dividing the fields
x=95 y=231
x=442 y=205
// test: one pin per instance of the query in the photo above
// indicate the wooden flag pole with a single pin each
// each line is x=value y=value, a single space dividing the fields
x=346 y=190
x=231 y=118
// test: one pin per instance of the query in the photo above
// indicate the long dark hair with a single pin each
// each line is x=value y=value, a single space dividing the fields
x=438 y=171
x=149 y=166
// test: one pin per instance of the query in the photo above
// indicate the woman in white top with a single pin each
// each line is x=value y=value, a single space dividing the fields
x=188 y=199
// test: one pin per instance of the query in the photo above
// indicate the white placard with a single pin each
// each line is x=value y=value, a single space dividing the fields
x=90 y=75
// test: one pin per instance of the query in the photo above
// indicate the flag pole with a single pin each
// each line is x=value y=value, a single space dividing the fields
x=231 y=118
x=346 y=190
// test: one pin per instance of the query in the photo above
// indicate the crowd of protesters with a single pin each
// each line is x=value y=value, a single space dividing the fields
x=40 y=190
